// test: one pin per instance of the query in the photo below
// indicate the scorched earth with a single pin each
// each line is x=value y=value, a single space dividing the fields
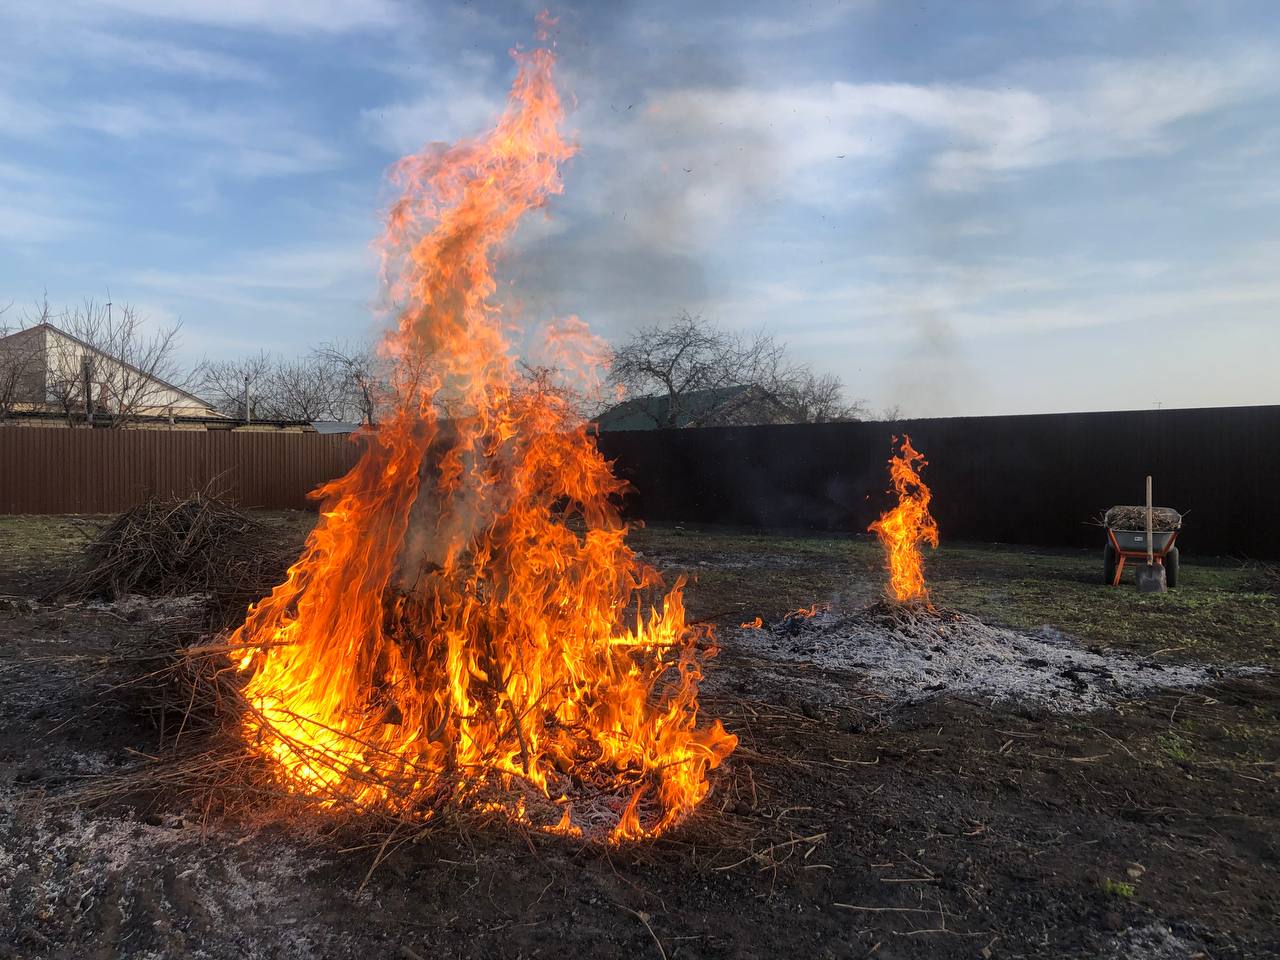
x=861 y=814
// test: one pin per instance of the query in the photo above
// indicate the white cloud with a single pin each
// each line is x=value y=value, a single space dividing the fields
x=22 y=222
x=1061 y=113
x=247 y=142
x=442 y=115
x=38 y=208
x=1002 y=297
x=282 y=298
x=280 y=16
x=116 y=50
x=280 y=270
x=801 y=20
x=462 y=100
x=21 y=118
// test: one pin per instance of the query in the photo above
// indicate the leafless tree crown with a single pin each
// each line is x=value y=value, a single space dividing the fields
x=335 y=381
x=690 y=355
x=20 y=365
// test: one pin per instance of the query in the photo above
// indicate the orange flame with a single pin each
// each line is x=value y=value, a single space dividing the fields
x=907 y=525
x=806 y=613
x=756 y=624
x=454 y=631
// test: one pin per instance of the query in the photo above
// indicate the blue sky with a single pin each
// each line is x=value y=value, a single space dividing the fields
x=959 y=207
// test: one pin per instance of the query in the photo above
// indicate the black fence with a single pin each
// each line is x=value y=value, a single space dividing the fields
x=1036 y=479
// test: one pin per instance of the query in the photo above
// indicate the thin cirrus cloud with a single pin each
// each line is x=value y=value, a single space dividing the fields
x=1071 y=112
x=37 y=207
x=108 y=49
x=278 y=16
x=238 y=141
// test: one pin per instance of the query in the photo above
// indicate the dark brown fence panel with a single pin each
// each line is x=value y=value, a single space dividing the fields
x=102 y=471
x=1019 y=479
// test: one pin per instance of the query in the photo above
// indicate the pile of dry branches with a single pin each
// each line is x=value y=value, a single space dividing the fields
x=1135 y=518
x=1265 y=577
x=172 y=546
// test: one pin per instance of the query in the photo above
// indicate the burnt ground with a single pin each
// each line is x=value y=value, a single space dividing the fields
x=846 y=825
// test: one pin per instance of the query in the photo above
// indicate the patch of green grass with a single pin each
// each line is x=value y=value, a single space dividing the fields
x=1174 y=746
x=1118 y=888
x=1218 y=613
x=39 y=542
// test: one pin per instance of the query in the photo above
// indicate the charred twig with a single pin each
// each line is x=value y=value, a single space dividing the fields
x=644 y=918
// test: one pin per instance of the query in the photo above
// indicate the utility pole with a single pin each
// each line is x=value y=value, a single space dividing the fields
x=247 y=417
x=86 y=363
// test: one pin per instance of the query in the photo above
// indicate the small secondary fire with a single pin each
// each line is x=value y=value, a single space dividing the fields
x=466 y=624
x=907 y=525
x=806 y=613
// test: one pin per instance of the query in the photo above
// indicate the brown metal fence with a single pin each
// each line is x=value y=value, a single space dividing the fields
x=103 y=471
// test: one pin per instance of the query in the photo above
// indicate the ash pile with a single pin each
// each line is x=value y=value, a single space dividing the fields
x=912 y=652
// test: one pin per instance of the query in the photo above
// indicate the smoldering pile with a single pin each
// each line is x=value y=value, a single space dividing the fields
x=911 y=652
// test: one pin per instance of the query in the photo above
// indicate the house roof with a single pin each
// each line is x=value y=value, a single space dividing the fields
x=334 y=426
x=650 y=413
x=50 y=328
x=213 y=421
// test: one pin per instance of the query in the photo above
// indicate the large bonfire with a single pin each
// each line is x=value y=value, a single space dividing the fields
x=466 y=625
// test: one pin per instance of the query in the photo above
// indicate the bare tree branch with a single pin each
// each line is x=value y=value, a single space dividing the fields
x=687 y=356
x=223 y=383
x=333 y=382
x=361 y=380
x=21 y=380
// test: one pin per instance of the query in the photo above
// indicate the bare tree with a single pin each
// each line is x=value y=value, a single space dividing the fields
x=110 y=366
x=361 y=379
x=225 y=383
x=332 y=382
x=21 y=379
x=688 y=356
x=816 y=398
x=306 y=389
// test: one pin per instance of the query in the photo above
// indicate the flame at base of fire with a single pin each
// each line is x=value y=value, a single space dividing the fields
x=501 y=669
x=902 y=529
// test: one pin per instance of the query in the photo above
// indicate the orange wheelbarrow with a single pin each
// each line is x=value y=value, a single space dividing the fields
x=1126 y=543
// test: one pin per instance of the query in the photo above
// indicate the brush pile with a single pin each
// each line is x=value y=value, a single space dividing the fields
x=1266 y=577
x=180 y=546
x=182 y=685
x=1135 y=518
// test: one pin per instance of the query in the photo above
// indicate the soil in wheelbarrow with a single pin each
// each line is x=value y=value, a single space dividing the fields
x=865 y=825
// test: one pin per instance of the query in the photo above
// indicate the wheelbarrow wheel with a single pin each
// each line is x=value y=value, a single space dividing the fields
x=1171 y=568
x=1109 y=564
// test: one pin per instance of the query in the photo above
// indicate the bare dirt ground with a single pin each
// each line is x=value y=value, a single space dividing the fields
x=853 y=821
